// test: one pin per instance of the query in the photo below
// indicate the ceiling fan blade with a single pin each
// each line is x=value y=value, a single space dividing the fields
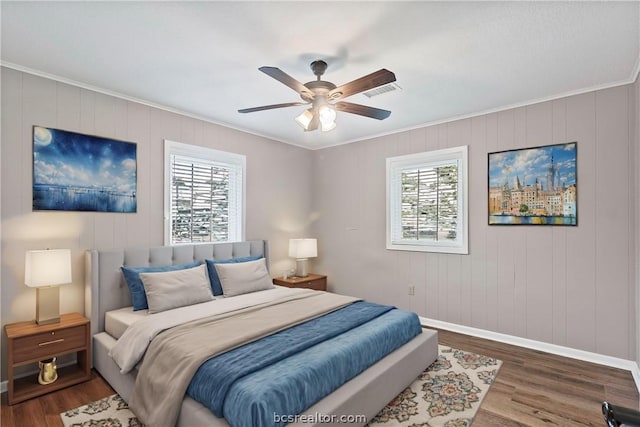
x=271 y=107
x=286 y=79
x=362 y=110
x=379 y=78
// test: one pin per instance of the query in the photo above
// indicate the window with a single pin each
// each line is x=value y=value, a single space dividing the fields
x=204 y=194
x=427 y=201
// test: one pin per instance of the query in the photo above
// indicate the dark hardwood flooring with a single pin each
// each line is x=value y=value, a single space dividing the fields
x=45 y=410
x=532 y=389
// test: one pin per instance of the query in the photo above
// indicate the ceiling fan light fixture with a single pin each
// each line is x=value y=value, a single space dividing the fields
x=327 y=118
x=327 y=127
x=305 y=118
x=319 y=93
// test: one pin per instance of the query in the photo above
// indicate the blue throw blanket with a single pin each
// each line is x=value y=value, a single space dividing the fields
x=262 y=383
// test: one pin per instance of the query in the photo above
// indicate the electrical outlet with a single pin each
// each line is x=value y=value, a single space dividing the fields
x=412 y=290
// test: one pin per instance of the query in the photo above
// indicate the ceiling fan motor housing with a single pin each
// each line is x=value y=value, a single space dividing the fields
x=318 y=67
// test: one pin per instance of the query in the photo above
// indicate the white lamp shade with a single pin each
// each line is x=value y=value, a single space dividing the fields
x=303 y=248
x=304 y=119
x=47 y=267
x=327 y=118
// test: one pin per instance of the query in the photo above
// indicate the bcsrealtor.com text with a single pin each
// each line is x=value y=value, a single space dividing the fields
x=319 y=418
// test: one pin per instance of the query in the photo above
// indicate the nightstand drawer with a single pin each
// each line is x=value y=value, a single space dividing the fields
x=318 y=284
x=43 y=345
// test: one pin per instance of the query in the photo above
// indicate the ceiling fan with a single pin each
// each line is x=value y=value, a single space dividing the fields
x=320 y=94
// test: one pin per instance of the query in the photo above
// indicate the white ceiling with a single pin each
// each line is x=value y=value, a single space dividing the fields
x=451 y=59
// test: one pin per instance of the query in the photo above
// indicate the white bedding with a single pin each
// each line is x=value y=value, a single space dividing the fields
x=132 y=344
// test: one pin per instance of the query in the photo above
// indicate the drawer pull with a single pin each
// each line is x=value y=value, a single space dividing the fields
x=51 y=342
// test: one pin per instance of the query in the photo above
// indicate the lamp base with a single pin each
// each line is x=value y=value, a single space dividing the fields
x=47 y=305
x=301 y=267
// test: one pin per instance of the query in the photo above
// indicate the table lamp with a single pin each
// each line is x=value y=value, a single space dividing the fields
x=45 y=270
x=302 y=250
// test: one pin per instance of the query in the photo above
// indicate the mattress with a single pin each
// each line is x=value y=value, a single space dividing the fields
x=117 y=321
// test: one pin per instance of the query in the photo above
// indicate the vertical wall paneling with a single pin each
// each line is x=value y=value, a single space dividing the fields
x=138 y=117
x=540 y=283
x=539 y=256
x=478 y=180
x=432 y=291
x=581 y=240
x=521 y=238
x=276 y=171
x=12 y=141
x=636 y=195
x=511 y=243
x=492 y=243
x=559 y=243
x=446 y=281
x=612 y=219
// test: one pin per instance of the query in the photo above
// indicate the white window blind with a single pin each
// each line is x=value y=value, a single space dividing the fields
x=426 y=206
x=204 y=200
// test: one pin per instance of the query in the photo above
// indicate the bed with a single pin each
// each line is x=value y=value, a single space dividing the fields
x=108 y=298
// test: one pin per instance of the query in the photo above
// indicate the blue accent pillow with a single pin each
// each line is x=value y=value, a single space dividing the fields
x=136 y=288
x=216 y=287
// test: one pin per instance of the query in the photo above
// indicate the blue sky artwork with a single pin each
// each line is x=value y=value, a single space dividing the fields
x=72 y=171
x=533 y=163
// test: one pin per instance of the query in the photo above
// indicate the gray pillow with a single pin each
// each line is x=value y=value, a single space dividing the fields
x=173 y=289
x=242 y=278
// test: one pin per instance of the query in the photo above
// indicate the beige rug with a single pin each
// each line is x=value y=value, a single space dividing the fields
x=447 y=394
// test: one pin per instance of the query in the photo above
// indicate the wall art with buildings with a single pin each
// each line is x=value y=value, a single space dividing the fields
x=534 y=186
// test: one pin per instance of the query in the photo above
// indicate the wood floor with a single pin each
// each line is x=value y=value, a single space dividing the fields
x=532 y=389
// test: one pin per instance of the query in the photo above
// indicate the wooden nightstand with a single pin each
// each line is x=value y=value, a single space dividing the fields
x=29 y=343
x=312 y=281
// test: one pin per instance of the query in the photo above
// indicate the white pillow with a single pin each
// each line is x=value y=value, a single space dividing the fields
x=244 y=277
x=172 y=289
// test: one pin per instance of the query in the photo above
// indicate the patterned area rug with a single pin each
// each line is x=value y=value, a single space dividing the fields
x=111 y=411
x=447 y=394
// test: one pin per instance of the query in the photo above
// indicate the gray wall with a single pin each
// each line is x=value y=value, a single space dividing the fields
x=575 y=286
x=571 y=286
x=636 y=114
x=275 y=172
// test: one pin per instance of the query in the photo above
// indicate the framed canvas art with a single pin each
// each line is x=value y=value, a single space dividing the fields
x=534 y=186
x=76 y=172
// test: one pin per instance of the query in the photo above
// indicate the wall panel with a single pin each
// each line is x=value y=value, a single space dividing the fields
x=275 y=172
x=541 y=283
x=612 y=218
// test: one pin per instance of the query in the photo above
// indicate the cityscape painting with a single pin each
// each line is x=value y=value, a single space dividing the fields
x=75 y=172
x=534 y=186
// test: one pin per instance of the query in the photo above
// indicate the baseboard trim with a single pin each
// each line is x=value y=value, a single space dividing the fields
x=587 y=356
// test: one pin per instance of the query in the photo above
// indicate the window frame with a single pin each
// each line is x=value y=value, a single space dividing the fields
x=395 y=166
x=233 y=160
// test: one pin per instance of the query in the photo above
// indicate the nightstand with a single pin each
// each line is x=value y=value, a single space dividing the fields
x=312 y=281
x=30 y=343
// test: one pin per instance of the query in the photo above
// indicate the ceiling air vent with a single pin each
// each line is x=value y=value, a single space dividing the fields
x=382 y=89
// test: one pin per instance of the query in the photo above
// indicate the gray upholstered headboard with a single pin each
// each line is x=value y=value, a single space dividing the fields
x=105 y=288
